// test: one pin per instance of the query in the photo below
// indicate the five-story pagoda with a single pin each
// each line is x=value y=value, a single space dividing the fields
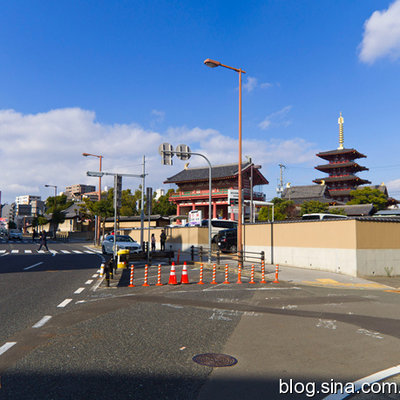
x=341 y=169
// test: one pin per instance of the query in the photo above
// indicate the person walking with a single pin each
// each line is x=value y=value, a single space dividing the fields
x=163 y=237
x=33 y=235
x=153 y=242
x=43 y=240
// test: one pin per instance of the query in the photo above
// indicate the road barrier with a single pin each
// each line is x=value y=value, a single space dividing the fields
x=200 y=282
x=226 y=282
x=252 y=274
x=102 y=270
x=276 y=274
x=146 y=275
x=214 y=275
x=239 y=281
x=159 y=276
x=263 y=273
x=131 y=277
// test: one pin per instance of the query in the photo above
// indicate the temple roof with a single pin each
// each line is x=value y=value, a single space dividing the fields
x=217 y=172
x=346 y=178
x=350 y=165
x=300 y=194
x=350 y=153
x=355 y=210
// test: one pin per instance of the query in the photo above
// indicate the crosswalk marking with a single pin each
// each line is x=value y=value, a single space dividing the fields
x=51 y=251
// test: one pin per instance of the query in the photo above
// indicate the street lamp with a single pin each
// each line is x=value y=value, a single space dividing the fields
x=55 y=193
x=213 y=64
x=98 y=193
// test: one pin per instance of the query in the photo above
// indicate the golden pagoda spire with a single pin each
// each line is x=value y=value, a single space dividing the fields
x=340 y=122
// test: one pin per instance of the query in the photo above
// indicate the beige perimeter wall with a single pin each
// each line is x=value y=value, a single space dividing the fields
x=352 y=247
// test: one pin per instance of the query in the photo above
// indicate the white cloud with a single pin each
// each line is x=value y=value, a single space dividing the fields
x=252 y=83
x=393 y=186
x=46 y=148
x=277 y=118
x=159 y=115
x=382 y=35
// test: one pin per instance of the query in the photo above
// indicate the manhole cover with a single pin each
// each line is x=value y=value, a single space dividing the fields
x=215 y=360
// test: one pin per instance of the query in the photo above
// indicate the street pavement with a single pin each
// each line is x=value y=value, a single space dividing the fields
x=122 y=342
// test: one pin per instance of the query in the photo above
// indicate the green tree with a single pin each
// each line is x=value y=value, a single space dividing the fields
x=313 y=206
x=60 y=202
x=283 y=209
x=163 y=206
x=369 y=196
x=128 y=203
x=102 y=209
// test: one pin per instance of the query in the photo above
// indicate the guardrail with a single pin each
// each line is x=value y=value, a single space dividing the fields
x=200 y=254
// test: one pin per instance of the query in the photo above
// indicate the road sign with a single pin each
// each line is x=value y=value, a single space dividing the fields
x=118 y=190
x=165 y=151
x=183 y=152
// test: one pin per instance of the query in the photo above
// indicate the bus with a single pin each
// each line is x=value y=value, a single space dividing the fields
x=322 y=216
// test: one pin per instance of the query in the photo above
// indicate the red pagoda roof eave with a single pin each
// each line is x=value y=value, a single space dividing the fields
x=331 y=153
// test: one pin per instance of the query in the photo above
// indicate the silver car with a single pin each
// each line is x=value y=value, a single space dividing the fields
x=122 y=242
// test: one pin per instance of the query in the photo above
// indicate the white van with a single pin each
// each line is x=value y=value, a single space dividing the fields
x=322 y=216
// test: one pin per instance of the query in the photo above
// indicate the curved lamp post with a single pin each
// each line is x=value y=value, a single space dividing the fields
x=213 y=64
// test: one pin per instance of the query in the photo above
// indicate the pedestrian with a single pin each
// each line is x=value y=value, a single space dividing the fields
x=43 y=240
x=153 y=242
x=163 y=236
x=33 y=235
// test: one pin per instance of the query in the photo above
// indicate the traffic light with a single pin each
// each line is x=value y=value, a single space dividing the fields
x=165 y=151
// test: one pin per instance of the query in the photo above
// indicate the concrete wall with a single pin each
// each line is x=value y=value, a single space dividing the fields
x=351 y=247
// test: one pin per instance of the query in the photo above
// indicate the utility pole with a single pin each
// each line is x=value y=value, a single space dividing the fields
x=142 y=202
x=279 y=189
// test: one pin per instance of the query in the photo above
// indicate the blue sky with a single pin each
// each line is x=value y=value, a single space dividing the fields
x=118 y=78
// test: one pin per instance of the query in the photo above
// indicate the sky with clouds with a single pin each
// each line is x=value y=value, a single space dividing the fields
x=120 y=78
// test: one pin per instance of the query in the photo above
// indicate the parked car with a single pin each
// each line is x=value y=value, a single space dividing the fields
x=218 y=225
x=14 y=234
x=322 y=216
x=227 y=240
x=122 y=242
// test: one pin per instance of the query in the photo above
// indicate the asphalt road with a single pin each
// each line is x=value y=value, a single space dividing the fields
x=138 y=343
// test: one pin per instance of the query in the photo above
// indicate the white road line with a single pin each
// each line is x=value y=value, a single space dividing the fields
x=41 y=251
x=32 y=266
x=77 y=251
x=14 y=251
x=89 y=281
x=64 y=303
x=40 y=323
x=6 y=346
x=80 y=290
x=95 y=275
x=28 y=251
x=89 y=252
x=2 y=251
x=379 y=376
x=54 y=252
x=5 y=254
x=97 y=284
x=66 y=251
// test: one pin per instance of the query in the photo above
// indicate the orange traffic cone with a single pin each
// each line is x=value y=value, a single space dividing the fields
x=172 y=276
x=184 y=276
